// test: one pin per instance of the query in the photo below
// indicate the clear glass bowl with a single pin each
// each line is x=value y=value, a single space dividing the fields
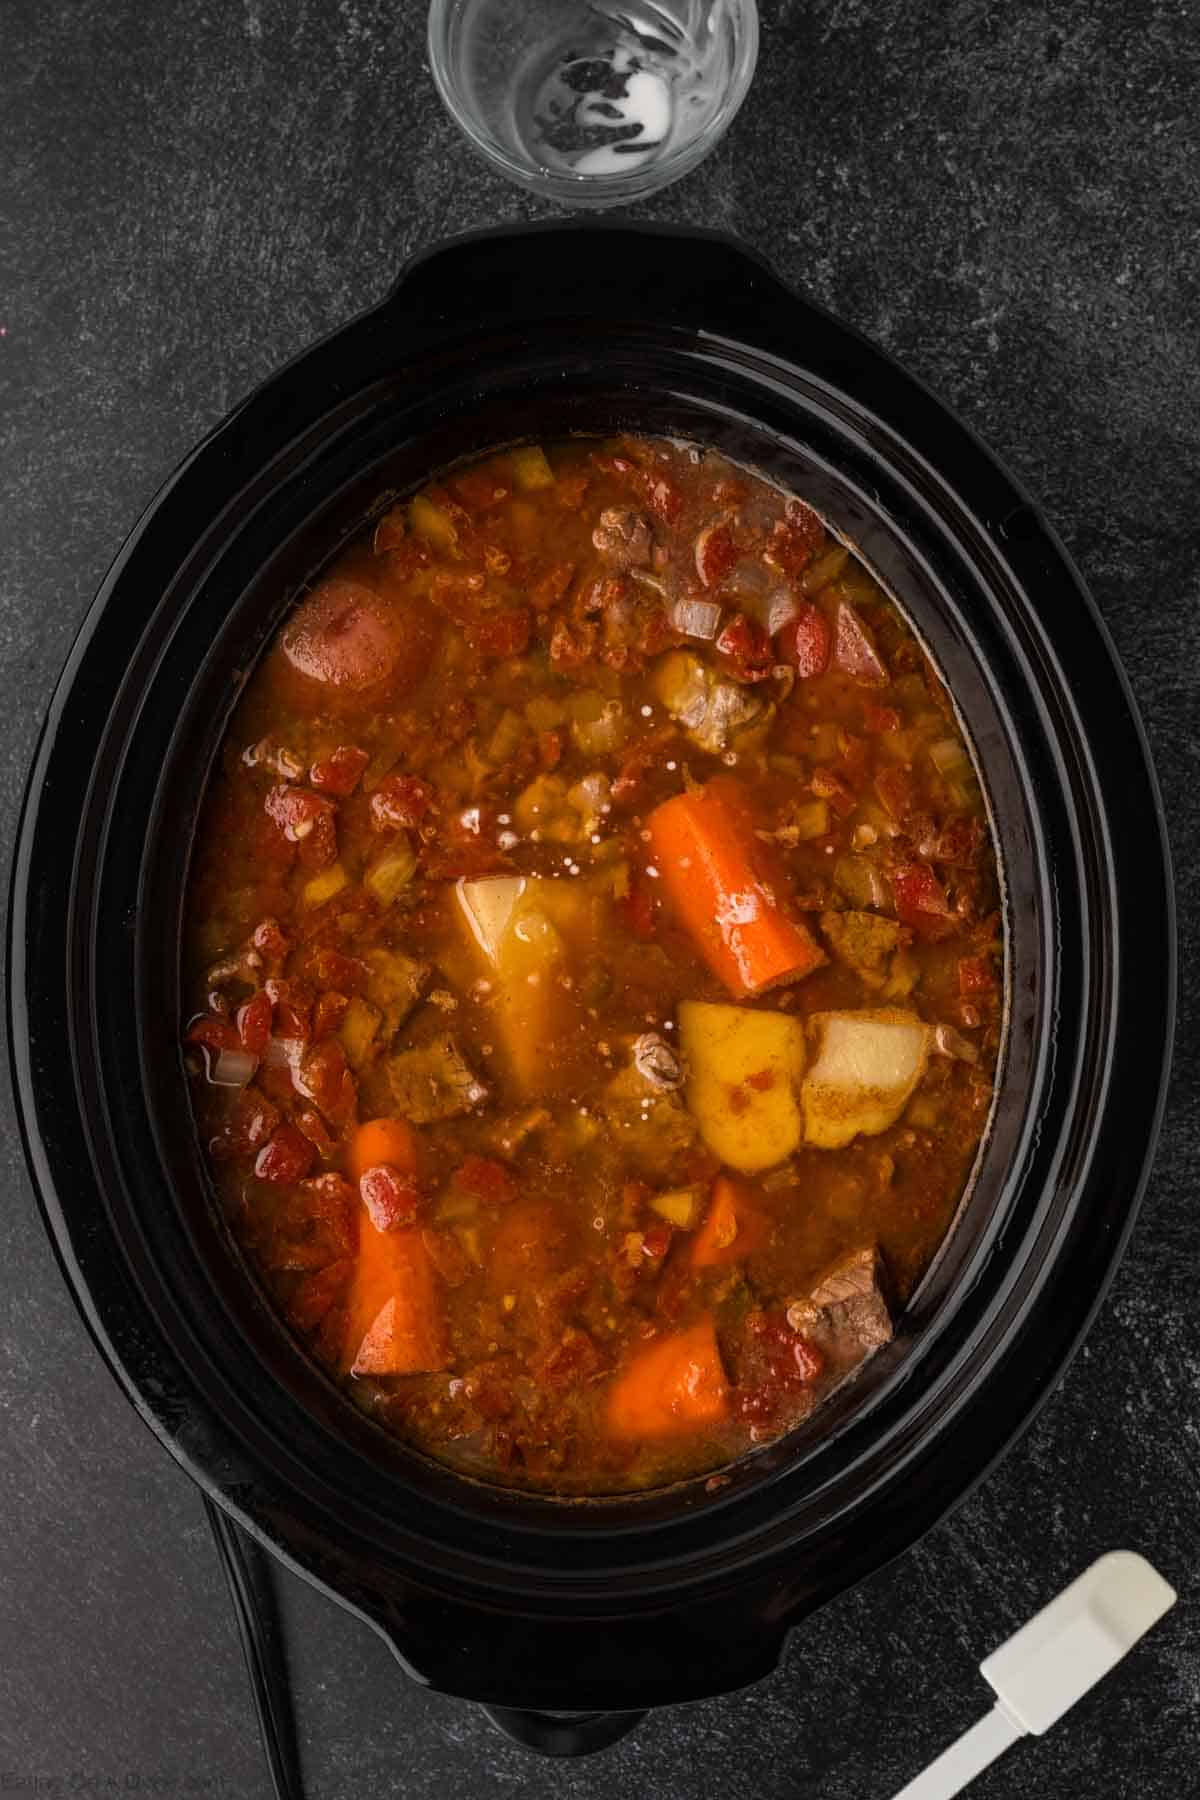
x=593 y=102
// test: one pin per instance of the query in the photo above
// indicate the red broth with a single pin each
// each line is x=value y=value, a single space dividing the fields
x=594 y=956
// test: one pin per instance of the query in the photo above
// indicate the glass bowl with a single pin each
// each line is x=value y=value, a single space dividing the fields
x=593 y=103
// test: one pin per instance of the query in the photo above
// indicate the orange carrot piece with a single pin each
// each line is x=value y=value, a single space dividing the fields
x=717 y=877
x=676 y=1386
x=732 y=1228
x=395 y=1324
x=383 y=1141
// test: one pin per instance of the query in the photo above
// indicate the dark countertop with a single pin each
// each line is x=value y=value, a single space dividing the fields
x=1004 y=196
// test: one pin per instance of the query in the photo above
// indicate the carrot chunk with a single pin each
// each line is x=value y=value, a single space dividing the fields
x=394 y=1323
x=717 y=878
x=383 y=1141
x=732 y=1228
x=676 y=1386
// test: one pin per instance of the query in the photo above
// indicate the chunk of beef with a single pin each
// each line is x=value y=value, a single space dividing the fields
x=623 y=538
x=650 y=1124
x=395 y=984
x=434 y=1082
x=863 y=940
x=846 y=1315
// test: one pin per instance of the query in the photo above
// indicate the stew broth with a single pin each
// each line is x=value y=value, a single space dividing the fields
x=594 y=960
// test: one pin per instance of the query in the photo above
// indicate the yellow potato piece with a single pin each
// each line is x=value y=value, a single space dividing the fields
x=516 y=925
x=744 y=1069
x=866 y=1067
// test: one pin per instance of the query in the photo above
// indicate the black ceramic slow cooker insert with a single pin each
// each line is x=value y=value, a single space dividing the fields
x=513 y=1599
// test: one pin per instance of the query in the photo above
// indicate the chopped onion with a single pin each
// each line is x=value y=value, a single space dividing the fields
x=949 y=1042
x=782 y=608
x=231 y=1068
x=696 y=618
x=947 y=755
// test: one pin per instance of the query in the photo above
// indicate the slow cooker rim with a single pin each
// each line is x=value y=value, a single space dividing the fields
x=114 y=580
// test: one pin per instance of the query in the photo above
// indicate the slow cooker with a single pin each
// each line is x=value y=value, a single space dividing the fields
x=534 y=1606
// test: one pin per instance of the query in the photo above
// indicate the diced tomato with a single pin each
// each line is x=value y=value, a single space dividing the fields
x=316 y=1131
x=328 y=1013
x=315 y=1296
x=897 y=790
x=829 y=786
x=296 y=811
x=571 y=489
x=921 y=900
x=319 y=847
x=572 y=1362
x=747 y=648
x=247 y=1127
x=550 y=749
x=661 y=496
x=400 y=802
x=795 y=539
x=656 y=1242
x=960 y=842
x=391 y=1196
x=854 y=650
x=804 y=641
x=447 y=1256
x=340 y=771
x=324 y=1077
x=268 y=938
x=549 y=588
x=880 y=718
x=214 y=1032
x=503 y=633
x=330 y=968
x=254 y=1023
x=286 y=1157
x=637 y=911
x=480 y=489
x=975 y=975
x=716 y=553
x=485 y=1178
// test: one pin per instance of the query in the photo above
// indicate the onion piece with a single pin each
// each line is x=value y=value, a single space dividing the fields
x=948 y=756
x=782 y=608
x=231 y=1068
x=948 y=1042
x=696 y=618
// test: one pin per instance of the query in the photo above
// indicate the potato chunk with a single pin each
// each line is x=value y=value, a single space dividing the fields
x=744 y=1068
x=866 y=1066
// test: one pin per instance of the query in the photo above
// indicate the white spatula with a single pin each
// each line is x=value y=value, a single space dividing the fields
x=1051 y=1663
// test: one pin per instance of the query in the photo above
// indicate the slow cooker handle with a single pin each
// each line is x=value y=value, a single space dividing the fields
x=699 y=280
x=561 y=1733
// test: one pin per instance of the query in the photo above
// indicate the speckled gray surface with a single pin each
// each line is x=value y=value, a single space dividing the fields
x=1005 y=196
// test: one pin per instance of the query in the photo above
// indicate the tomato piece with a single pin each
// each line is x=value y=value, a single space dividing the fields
x=827 y=785
x=214 y=1032
x=805 y=641
x=503 y=633
x=921 y=900
x=328 y=1013
x=898 y=792
x=296 y=810
x=975 y=975
x=325 y=1079
x=286 y=1157
x=486 y=1178
x=715 y=554
x=854 y=649
x=254 y=1023
x=638 y=911
x=795 y=539
x=878 y=719
x=247 y=1127
x=479 y=489
x=340 y=771
x=391 y=1196
x=747 y=648
x=549 y=589
x=400 y=802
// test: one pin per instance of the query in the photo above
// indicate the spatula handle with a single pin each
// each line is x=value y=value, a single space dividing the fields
x=965 y=1759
